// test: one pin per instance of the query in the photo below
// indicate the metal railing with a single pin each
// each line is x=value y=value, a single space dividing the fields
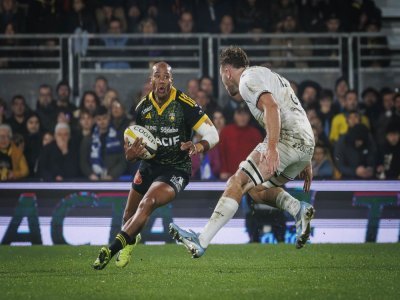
x=78 y=58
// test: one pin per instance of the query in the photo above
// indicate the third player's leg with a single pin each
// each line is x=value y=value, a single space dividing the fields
x=159 y=194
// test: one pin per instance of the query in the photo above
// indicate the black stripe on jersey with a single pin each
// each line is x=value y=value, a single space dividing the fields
x=287 y=177
x=259 y=96
x=273 y=183
x=283 y=84
x=256 y=170
x=248 y=174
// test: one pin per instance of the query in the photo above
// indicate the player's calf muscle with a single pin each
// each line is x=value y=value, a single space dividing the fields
x=237 y=185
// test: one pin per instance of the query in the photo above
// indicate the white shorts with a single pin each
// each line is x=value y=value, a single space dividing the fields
x=292 y=158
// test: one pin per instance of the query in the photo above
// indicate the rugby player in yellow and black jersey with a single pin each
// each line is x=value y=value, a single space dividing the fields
x=171 y=116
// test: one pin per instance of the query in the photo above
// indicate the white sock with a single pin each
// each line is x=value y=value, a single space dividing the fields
x=223 y=212
x=288 y=203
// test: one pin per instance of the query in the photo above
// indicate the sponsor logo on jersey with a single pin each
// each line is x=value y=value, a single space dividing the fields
x=138 y=178
x=147 y=109
x=148 y=116
x=177 y=182
x=151 y=127
x=169 y=129
x=168 y=141
x=171 y=116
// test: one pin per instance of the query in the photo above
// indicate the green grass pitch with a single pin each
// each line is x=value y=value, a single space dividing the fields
x=253 y=271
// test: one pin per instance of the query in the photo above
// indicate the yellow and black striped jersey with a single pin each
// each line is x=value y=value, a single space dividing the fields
x=171 y=124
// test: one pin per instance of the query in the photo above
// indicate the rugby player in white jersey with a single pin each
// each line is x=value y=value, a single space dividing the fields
x=285 y=153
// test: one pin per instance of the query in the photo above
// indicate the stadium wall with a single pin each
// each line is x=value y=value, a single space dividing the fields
x=91 y=213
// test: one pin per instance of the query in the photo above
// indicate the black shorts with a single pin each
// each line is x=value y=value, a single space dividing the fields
x=149 y=173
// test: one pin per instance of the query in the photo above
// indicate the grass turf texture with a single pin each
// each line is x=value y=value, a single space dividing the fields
x=253 y=271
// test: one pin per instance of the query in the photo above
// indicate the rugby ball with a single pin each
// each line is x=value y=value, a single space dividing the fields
x=136 y=131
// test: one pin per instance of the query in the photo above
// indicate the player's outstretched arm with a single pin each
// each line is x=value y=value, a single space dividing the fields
x=272 y=121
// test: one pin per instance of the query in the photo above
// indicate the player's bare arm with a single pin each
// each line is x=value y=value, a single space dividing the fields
x=272 y=120
x=209 y=139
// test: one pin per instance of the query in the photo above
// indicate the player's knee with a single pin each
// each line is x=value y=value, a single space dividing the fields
x=237 y=180
x=148 y=204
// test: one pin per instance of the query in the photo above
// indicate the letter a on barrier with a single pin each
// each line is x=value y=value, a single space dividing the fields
x=27 y=207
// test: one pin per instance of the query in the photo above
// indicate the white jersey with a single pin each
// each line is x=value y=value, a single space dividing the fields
x=295 y=127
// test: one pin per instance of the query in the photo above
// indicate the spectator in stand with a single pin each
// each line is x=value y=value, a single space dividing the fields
x=371 y=105
x=100 y=87
x=206 y=104
x=86 y=123
x=236 y=141
x=117 y=44
x=341 y=88
x=11 y=41
x=250 y=12
x=165 y=11
x=375 y=46
x=145 y=90
x=46 y=108
x=390 y=153
x=109 y=97
x=89 y=102
x=148 y=27
x=309 y=92
x=386 y=114
x=186 y=23
x=218 y=120
x=80 y=19
x=107 y=12
x=279 y=10
x=19 y=113
x=100 y=153
x=119 y=118
x=59 y=160
x=340 y=123
x=322 y=163
x=311 y=14
x=355 y=154
x=192 y=87
x=289 y=47
x=3 y=111
x=63 y=103
x=44 y=16
x=396 y=113
x=316 y=124
x=331 y=55
x=360 y=13
x=210 y=12
x=326 y=110
x=10 y=13
x=13 y=165
x=33 y=143
x=207 y=85
x=207 y=166
x=48 y=137
x=134 y=12
x=226 y=25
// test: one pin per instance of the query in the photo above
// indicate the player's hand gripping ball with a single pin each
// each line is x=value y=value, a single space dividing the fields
x=135 y=131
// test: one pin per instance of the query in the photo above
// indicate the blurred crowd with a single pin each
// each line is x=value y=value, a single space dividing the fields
x=187 y=16
x=357 y=136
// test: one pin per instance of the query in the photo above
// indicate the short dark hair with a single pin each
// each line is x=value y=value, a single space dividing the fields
x=101 y=111
x=234 y=56
x=63 y=83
